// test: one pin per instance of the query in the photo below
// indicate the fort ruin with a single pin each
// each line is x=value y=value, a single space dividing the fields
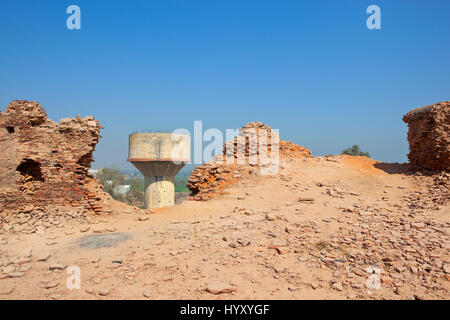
x=429 y=136
x=45 y=163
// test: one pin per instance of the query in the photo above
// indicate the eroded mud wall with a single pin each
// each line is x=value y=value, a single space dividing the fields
x=43 y=162
x=429 y=136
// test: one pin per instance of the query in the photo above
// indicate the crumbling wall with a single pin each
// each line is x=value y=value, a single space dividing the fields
x=44 y=164
x=429 y=136
x=247 y=158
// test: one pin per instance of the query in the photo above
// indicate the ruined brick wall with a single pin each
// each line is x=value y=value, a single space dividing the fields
x=429 y=136
x=44 y=163
x=207 y=180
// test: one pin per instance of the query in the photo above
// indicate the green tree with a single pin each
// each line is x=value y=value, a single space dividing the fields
x=180 y=182
x=355 y=151
x=110 y=178
x=137 y=189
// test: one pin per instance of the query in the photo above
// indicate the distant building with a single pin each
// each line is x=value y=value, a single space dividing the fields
x=122 y=190
x=93 y=172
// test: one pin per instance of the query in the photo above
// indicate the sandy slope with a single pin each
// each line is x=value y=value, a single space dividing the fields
x=267 y=245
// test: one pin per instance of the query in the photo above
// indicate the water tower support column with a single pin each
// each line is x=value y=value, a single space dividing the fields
x=159 y=191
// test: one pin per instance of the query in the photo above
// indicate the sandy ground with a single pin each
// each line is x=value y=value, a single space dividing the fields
x=266 y=245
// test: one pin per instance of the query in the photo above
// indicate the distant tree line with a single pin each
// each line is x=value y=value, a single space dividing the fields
x=355 y=151
x=112 y=179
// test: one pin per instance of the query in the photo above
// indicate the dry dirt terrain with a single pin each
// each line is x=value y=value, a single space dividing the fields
x=317 y=229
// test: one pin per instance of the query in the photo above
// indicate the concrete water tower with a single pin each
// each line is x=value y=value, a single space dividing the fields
x=159 y=157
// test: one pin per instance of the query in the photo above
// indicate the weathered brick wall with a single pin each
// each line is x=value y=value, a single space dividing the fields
x=44 y=163
x=429 y=136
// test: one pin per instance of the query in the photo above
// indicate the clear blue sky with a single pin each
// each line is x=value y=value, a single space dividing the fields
x=310 y=68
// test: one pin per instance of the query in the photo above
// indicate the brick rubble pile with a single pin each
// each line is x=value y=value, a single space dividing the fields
x=253 y=142
x=434 y=194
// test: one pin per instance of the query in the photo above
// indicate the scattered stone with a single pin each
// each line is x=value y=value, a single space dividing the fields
x=21 y=261
x=313 y=285
x=7 y=291
x=304 y=258
x=219 y=288
x=89 y=291
x=24 y=268
x=280 y=249
x=9 y=269
x=100 y=230
x=43 y=257
x=418 y=225
x=27 y=253
x=337 y=286
x=289 y=204
x=400 y=291
x=104 y=292
x=114 y=266
x=15 y=274
x=50 y=285
x=57 y=266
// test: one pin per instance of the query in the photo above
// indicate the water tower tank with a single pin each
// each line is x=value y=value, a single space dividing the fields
x=159 y=157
